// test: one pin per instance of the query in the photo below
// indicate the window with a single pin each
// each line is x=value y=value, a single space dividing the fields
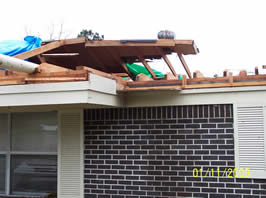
x=2 y=173
x=28 y=153
x=250 y=144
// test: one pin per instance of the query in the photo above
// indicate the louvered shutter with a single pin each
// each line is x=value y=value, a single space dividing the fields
x=250 y=139
x=70 y=169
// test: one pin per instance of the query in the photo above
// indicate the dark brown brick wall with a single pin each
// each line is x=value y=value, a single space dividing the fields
x=151 y=152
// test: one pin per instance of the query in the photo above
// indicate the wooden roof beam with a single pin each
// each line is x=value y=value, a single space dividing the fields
x=40 y=50
x=181 y=58
x=167 y=61
x=117 y=43
x=61 y=54
x=49 y=46
x=144 y=62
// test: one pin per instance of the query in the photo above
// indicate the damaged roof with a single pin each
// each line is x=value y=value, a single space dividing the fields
x=74 y=59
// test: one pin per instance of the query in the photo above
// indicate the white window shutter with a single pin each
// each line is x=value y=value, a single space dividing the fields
x=250 y=139
x=70 y=155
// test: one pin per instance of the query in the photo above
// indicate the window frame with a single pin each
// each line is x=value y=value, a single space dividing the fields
x=8 y=153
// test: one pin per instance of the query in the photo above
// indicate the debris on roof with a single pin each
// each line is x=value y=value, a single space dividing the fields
x=74 y=59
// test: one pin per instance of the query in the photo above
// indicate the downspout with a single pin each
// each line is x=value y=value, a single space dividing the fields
x=18 y=65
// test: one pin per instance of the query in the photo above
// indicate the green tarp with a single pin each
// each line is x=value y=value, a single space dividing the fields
x=138 y=69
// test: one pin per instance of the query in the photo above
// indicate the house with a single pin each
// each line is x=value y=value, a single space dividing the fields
x=77 y=127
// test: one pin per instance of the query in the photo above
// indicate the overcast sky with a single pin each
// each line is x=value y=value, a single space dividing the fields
x=230 y=34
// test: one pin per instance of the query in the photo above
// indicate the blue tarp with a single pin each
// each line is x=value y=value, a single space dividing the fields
x=12 y=47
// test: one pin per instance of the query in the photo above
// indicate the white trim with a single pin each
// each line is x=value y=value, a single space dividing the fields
x=167 y=98
x=58 y=152
x=44 y=88
x=264 y=113
x=99 y=91
x=82 y=173
x=96 y=83
x=236 y=136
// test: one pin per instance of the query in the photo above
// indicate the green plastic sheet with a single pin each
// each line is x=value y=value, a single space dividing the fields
x=138 y=69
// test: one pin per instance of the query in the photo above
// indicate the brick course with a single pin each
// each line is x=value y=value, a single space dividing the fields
x=152 y=151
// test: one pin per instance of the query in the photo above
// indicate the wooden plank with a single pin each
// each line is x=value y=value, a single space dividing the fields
x=120 y=74
x=124 y=65
x=40 y=50
x=155 y=82
x=74 y=41
x=230 y=78
x=61 y=54
x=56 y=79
x=12 y=82
x=103 y=74
x=74 y=73
x=41 y=58
x=117 y=43
x=243 y=73
x=186 y=47
x=184 y=81
x=2 y=73
x=144 y=62
x=197 y=74
x=143 y=77
x=206 y=79
x=234 y=84
x=95 y=71
x=14 y=73
x=167 y=61
x=181 y=58
x=45 y=67
x=198 y=86
x=177 y=88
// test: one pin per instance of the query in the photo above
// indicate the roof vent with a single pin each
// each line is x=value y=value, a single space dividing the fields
x=166 y=34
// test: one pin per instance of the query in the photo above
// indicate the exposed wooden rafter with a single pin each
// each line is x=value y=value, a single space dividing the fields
x=167 y=61
x=181 y=58
x=40 y=50
x=144 y=62
x=61 y=54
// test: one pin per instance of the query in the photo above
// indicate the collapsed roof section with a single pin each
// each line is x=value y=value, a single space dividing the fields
x=73 y=60
x=110 y=56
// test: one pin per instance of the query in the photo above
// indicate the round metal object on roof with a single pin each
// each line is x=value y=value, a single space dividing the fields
x=166 y=34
